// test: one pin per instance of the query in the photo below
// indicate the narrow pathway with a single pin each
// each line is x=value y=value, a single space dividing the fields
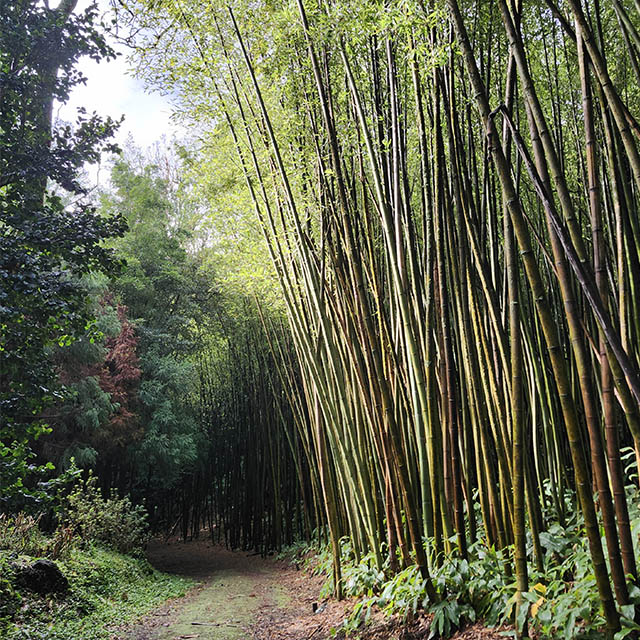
x=233 y=590
x=240 y=596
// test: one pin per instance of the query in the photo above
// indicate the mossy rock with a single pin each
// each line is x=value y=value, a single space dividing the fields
x=42 y=577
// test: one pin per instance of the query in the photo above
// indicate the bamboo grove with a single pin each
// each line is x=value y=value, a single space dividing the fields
x=448 y=193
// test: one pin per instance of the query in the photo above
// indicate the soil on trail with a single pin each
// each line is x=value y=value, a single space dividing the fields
x=240 y=596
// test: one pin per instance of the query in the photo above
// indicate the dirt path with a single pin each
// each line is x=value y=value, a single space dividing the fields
x=232 y=589
x=246 y=597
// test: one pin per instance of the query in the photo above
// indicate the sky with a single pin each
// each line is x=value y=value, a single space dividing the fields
x=111 y=90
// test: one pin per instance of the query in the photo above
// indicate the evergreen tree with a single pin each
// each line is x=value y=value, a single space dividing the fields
x=45 y=247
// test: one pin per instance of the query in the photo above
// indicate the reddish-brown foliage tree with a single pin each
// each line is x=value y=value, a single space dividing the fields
x=119 y=377
x=99 y=418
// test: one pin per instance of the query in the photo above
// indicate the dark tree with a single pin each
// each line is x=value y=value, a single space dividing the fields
x=45 y=246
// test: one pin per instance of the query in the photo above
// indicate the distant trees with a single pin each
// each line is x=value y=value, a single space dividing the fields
x=131 y=407
x=169 y=298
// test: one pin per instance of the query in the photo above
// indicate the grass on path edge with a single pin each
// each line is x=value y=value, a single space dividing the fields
x=106 y=590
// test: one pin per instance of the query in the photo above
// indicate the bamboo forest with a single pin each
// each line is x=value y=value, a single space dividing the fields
x=352 y=351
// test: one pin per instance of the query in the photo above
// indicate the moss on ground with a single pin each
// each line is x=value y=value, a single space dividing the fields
x=225 y=607
x=106 y=589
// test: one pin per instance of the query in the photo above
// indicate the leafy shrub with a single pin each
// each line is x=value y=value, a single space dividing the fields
x=467 y=590
x=481 y=581
x=115 y=522
x=448 y=615
x=404 y=594
x=562 y=601
x=362 y=578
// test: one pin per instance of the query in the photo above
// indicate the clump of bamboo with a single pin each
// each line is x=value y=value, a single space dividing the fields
x=451 y=215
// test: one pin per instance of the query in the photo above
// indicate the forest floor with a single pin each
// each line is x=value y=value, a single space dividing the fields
x=246 y=597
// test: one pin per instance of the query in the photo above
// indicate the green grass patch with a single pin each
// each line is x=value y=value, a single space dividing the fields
x=106 y=589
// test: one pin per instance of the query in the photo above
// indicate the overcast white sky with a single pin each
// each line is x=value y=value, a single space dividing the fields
x=112 y=91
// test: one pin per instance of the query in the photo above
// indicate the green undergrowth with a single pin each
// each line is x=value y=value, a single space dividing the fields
x=563 y=602
x=98 y=545
x=106 y=589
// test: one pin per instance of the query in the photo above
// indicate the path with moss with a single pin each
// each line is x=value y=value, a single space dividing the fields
x=240 y=596
x=232 y=590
